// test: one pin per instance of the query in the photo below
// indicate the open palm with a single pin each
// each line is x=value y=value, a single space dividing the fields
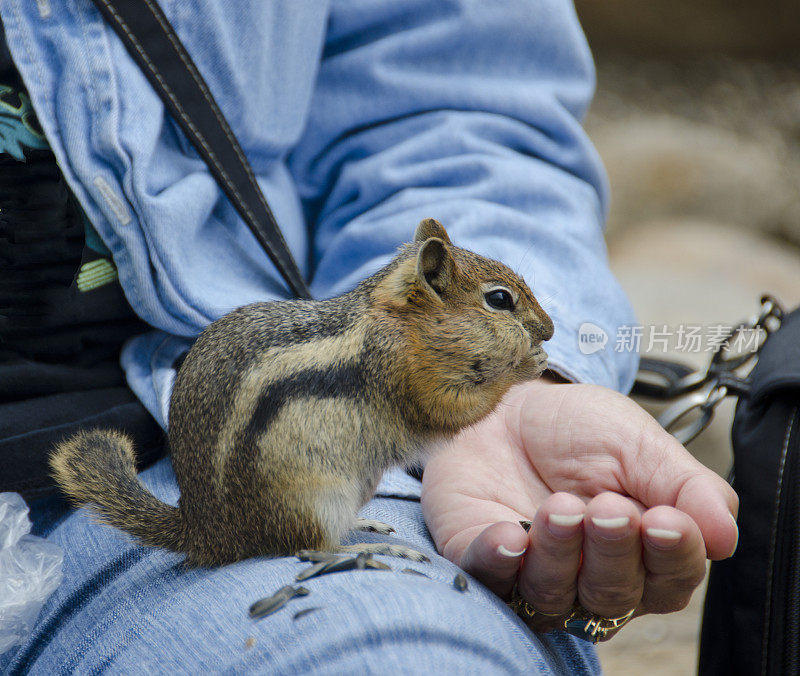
x=623 y=516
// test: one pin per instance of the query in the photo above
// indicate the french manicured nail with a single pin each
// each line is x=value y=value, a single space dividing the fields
x=663 y=538
x=610 y=527
x=735 y=544
x=503 y=551
x=563 y=525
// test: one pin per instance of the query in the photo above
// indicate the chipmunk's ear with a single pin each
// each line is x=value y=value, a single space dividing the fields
x=430 y=227
x=435 y=265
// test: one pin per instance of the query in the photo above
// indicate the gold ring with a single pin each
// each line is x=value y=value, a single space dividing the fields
x=591 y=627
x=578 y=621
x=524 y=609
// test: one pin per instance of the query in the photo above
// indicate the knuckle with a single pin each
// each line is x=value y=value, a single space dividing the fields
x=616 y=557
x=550 y=599
x=685 y=581
x=610 y=600
x=553 y=550
x=670 y=593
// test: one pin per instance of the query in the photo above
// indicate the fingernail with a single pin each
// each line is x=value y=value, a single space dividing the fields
x=563 y=525
x=735 y=544
x=663 y=538
x=612 y=528
x=501 y=549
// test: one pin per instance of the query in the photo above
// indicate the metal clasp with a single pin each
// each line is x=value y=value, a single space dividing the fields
x=705 y=402
x=707 y=389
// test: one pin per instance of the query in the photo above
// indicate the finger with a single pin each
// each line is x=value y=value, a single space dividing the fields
x=612 y=576
x=549 y=575
x=495 y=555
x=684 y=483
x=674 y=558
x=707 y=500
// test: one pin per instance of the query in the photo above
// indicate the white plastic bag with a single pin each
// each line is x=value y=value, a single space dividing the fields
x=30 y=570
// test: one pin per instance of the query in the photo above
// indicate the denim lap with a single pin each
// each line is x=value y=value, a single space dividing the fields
x=123 y=608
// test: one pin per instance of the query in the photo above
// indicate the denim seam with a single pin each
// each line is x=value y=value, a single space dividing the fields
x=121 y=253
x=47 y=102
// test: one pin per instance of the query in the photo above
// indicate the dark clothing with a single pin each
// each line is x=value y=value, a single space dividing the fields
x=63 y=316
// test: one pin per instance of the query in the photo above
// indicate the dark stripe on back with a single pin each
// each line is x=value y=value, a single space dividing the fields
x=328 y=325
x=346 y=380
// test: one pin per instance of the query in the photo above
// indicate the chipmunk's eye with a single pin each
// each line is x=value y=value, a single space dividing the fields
x=499 y=299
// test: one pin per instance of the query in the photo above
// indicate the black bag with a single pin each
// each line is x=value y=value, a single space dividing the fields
x=751 y=623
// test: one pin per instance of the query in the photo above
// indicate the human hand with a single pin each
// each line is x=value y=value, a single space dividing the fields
x=623 y=516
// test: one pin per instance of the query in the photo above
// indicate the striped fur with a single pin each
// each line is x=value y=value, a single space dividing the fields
x=284 y=415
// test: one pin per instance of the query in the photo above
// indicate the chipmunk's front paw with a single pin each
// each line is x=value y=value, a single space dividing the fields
x=386 y=549
x=373 y=526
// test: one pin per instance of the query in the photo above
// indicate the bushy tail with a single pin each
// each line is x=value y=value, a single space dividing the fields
x=98 y=468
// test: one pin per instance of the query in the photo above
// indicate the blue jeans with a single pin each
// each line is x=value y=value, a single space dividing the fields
x=123 y=608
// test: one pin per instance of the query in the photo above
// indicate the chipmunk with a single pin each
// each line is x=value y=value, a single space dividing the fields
x=284 y=415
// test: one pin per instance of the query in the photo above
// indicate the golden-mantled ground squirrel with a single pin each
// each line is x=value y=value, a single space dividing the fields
x=285 y=415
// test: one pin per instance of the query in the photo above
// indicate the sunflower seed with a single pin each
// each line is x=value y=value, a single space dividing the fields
x=270 y=604
x=340 y=566
x=411 y=571
x=312 y=571
x=376 y=565
x=304 y=612
x=316 y=556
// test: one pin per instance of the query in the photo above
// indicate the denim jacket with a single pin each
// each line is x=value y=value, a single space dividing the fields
x=359 y=117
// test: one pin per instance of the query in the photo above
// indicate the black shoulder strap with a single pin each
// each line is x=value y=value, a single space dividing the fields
x=153 y=44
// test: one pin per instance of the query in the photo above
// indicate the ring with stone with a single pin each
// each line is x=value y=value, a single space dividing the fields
x=591 y=627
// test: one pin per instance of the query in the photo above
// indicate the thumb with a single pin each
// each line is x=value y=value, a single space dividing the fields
x=495 y=555
x=663 y=472
x=713 y=505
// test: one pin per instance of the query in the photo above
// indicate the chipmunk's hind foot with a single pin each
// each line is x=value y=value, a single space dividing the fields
x=385 y=549
x=373 y=526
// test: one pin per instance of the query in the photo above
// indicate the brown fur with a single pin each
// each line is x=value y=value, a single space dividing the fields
x=284 y=415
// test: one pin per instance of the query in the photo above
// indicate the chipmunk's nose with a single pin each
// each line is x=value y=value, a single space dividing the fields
x=543 y=328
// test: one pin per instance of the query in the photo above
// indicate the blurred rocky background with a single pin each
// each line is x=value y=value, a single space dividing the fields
x=697 y=118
